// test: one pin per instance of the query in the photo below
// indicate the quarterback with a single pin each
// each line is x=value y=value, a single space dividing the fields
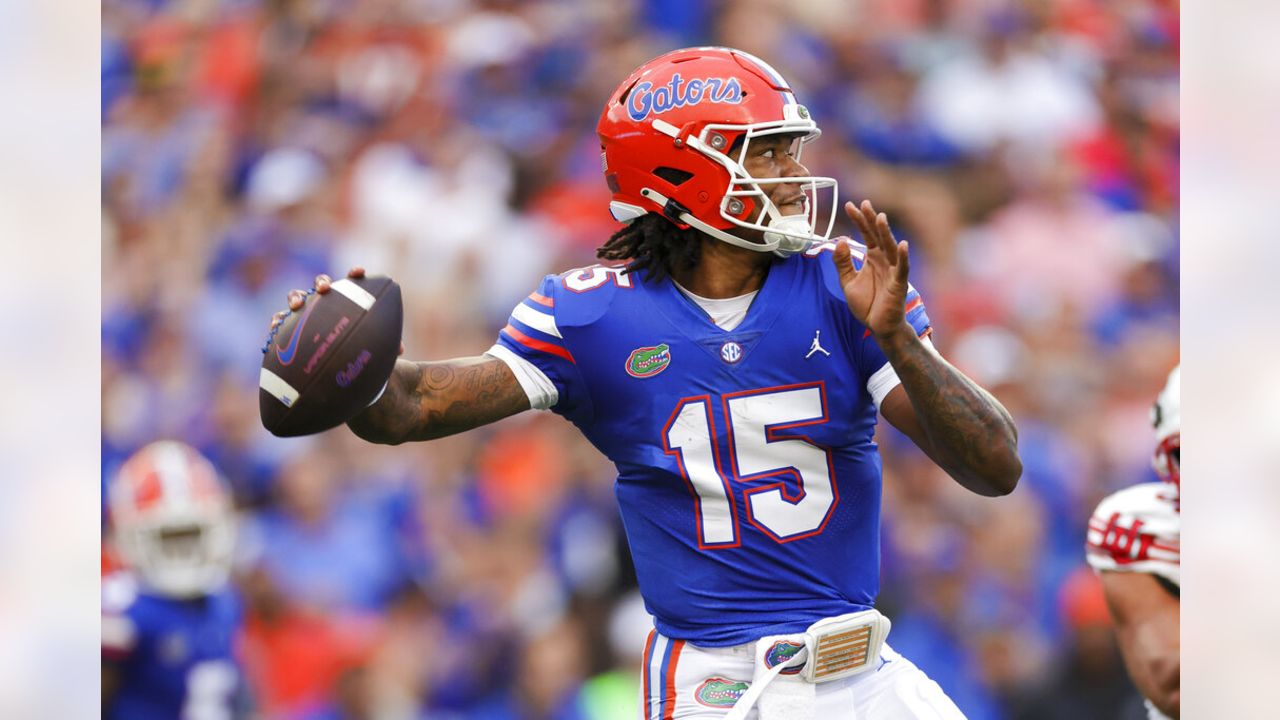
x=731 y=359
x=1134 y=544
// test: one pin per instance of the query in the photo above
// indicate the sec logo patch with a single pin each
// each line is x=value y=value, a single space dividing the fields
x=731 y=352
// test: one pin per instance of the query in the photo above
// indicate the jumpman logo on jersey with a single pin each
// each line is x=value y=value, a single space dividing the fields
x=816 y=346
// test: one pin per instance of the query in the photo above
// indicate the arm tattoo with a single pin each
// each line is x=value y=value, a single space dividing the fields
x=971 y=435
x=437 y=376
x=427 y=400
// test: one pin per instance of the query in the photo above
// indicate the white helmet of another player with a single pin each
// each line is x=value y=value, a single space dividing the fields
x=172 y=520
x=1166 y=417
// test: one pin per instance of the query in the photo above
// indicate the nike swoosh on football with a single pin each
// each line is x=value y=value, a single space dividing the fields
x=285 y=354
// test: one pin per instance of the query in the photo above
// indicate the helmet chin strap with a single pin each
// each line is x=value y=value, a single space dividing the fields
x=674 y=211
x=769 y=245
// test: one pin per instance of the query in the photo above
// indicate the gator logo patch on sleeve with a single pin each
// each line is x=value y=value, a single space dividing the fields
x=719 y=692
x=648 y=361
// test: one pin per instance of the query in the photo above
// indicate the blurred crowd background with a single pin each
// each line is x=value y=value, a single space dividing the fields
x=1028 y=150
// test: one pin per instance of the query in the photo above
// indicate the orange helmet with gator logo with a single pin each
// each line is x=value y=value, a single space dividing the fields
x=675 y=135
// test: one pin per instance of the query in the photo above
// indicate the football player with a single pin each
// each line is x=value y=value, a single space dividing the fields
x=1133 y=543
x=732 y=367
x=169 y=618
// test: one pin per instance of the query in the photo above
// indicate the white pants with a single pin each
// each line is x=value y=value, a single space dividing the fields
x=681 y=680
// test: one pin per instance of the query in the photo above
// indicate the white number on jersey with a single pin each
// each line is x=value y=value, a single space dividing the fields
x=759 y=450
x=590 y=278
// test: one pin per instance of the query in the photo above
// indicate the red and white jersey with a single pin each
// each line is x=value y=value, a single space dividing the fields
x=1137 y=530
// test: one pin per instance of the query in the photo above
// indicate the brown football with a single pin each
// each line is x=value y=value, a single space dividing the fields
x=330 y=359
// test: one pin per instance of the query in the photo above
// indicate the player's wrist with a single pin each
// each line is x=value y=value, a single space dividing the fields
x=901 y=336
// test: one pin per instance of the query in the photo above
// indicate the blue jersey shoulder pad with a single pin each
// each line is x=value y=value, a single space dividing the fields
x=582 y=295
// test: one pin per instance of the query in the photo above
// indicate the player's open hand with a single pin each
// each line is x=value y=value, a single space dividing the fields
x=297 y=298
x=877 y=292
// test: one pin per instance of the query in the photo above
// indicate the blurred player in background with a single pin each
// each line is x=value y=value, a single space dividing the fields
x=1133 y=543
x=169 y=618
x=732 y=370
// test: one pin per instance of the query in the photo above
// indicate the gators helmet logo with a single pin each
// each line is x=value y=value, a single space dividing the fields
x=645 y=98
x=648 y=361
x=781 y=652
x=719 y=692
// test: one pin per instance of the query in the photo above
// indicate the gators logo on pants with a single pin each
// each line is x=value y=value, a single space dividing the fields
x=719 y=692
x=781 y=652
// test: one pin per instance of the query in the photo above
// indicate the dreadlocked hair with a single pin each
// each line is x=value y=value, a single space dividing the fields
x=655 y=245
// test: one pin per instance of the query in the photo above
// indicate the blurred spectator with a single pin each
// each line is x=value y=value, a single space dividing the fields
x=551 y=671
x=614 y=693
x=329 y=547
x=885 y=122
x=1007 y=91
x=282 y=241
x=1052 y=246
x=1090 y=680
x=294 y=656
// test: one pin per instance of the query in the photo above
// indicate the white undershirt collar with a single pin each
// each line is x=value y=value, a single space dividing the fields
x=726 y=313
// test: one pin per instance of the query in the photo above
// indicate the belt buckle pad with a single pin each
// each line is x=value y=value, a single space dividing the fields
x=844 y=645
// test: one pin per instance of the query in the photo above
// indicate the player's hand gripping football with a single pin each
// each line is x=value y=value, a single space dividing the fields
x=877 y=293
x=297 y=298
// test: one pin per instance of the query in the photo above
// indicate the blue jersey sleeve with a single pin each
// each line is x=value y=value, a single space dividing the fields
x=534 y=346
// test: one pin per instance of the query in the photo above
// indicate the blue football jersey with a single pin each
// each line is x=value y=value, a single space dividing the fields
x=748 y=480
x=174 y=657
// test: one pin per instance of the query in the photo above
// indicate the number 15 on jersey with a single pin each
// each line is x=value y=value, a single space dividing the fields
x=785 y=477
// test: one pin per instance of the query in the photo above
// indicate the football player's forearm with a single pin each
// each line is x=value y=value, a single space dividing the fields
x=427 y=400
x=972 y=436
x=1147 y=628
x=1164 y=688
x=1151 y=649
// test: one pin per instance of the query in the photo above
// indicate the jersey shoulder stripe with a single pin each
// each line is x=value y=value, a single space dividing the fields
x=515 y=334
x=543 y=322
x=532 y=324
x=538 y=344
